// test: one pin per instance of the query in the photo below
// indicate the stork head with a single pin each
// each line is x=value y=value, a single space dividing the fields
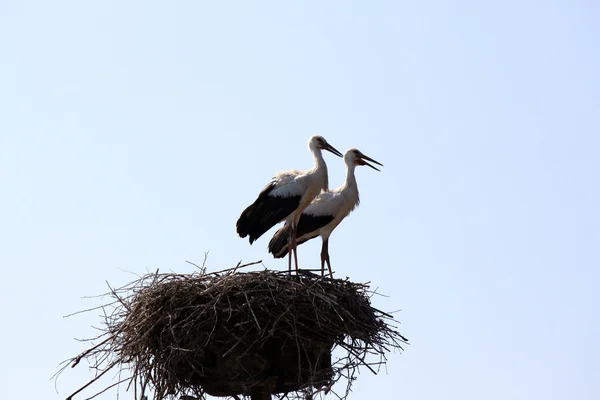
x=319 y=142
x=355 y=157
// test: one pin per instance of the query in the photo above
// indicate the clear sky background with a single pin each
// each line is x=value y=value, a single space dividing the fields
x=132 y=135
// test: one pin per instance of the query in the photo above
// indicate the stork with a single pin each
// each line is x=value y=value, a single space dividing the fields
x=285 y=197
x=325 y=212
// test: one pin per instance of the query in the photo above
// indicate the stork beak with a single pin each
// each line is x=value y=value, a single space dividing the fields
x=363 y=162
x=332 y=149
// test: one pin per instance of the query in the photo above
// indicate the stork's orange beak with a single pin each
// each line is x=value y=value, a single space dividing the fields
x=363 y=161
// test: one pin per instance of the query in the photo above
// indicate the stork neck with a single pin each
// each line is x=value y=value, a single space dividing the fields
x=321 y=168
x=319 y=161
x=350 y=178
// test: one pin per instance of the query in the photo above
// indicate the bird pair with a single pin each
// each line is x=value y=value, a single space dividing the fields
x=303 y=200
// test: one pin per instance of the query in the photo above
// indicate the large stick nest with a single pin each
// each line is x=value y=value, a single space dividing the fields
x=225 y=333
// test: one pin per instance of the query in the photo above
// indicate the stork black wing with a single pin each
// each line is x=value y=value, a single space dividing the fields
x=266 y=211
x=308 y=228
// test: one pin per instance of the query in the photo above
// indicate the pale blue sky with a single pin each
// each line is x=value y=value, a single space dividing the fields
x=132 y=134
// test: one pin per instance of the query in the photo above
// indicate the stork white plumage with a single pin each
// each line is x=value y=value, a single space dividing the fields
x=285 y=197
x=325 y=212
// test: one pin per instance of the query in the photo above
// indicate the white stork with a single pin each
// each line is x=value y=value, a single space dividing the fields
x=285 y=197
x=325 y=212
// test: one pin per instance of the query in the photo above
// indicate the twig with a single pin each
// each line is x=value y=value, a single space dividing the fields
x=108 y=388
x=110 y=366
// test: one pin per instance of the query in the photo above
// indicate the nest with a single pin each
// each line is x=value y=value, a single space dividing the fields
x=232 y=333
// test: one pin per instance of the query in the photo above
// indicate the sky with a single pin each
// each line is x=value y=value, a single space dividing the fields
x=133 y=134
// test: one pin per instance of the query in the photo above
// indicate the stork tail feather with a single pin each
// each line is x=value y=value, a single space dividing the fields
x=279 y=244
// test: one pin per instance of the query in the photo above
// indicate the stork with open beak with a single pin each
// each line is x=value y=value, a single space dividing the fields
x=285 y=197
x=325 y=212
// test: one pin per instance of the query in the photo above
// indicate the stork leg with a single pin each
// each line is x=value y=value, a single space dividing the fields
x=294 y=248
x=290 y=241
x=325 y=258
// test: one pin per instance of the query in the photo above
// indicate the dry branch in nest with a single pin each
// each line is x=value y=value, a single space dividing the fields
x=231 y=333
